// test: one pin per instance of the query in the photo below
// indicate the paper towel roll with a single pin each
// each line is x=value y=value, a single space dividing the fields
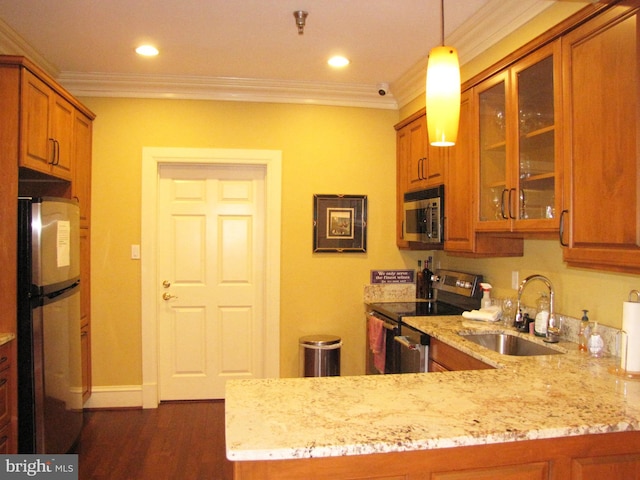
x=631 y=325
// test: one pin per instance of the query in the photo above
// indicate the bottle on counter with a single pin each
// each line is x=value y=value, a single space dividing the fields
x=419 y=281
x=595 y=343
x=428 y=280
x=486 y=295
x=583 y=335
x=542 y=316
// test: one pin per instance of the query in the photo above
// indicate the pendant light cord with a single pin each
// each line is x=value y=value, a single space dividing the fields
x=442 y=20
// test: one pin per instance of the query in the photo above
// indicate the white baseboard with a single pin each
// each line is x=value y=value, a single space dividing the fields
x=118 y=396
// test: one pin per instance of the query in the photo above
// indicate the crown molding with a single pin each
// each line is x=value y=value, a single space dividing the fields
x=13 y=44
x=485 y=28
x=198 y=88
x=226 y=89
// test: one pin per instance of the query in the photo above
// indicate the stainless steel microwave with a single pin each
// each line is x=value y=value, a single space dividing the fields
x=424 y=216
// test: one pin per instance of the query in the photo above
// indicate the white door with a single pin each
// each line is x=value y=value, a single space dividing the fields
x=210 y=278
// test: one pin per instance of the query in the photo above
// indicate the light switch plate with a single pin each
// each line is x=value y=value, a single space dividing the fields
x=135 y=252
x=515 y=280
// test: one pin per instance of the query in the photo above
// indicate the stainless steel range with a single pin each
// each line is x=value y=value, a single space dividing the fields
x=397 y=347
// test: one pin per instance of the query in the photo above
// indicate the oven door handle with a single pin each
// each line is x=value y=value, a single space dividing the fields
x=404 y=341
x=385 y=324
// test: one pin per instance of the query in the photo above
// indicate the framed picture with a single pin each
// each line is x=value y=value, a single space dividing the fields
x=339 y=223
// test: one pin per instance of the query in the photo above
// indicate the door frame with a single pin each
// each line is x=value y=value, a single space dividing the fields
x=152 y=159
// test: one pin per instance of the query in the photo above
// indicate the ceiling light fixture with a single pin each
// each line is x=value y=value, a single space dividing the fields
x=338 y=61
x=147 y=50
x=301 y=19
x=443 y=93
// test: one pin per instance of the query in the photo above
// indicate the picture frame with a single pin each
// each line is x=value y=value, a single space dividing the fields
x=339 y=223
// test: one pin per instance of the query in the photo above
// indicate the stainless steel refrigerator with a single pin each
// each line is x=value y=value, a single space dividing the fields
x=49 y=359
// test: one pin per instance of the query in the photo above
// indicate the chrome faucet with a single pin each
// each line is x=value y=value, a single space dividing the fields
x=553 y=327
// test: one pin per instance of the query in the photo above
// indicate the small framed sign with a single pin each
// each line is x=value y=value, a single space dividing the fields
x=392 y=276
x=339 y=223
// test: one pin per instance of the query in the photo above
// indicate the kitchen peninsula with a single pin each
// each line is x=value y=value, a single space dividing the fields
x=552 y=416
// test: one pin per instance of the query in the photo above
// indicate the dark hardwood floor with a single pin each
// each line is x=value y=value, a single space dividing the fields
x=178 y=440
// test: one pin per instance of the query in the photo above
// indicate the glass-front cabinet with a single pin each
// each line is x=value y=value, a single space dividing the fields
x=494 y=188
x=519 y=110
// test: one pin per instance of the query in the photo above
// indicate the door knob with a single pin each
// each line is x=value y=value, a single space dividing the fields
x=168 y=296
x=166 y=284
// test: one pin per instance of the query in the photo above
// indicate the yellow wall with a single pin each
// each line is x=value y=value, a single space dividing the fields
x=325 y=150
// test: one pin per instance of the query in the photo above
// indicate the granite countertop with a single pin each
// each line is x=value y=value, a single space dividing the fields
x=524 y=398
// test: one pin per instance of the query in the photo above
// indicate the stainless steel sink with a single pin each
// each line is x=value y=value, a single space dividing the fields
x=506 y=344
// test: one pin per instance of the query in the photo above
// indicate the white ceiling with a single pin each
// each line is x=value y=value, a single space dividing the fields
x=250 y=49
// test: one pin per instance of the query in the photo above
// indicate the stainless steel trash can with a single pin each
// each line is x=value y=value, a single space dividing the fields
x=320 y=356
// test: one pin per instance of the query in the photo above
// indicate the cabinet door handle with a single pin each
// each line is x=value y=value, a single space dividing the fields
x=502 y=204
x=3 y=381
x=511 y=190
x=561 y=229
x=4 y=359
x=422 y=175
x=53 y=151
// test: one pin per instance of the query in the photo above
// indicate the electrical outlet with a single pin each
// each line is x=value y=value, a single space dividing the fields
x=515 y=280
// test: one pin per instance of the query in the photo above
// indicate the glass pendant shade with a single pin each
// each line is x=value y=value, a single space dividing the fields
x=443 y=96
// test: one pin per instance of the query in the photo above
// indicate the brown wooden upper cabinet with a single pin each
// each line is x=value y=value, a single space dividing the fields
x=47 y=121
x=461 y=194
x=423 y=164
x=82 y=144
x=419 y=166
x=600 y=226
x=519 y=113
x=549 y=146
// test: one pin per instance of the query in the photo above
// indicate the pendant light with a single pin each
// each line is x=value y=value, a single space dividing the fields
x=443 y=93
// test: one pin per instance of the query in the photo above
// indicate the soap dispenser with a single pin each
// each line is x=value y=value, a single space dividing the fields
x=583 y=335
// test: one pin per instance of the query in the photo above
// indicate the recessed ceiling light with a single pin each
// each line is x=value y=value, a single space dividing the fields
x=338 y=61
x=147 y=50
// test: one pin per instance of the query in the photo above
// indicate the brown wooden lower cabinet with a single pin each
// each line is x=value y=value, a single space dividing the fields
x=85 y=353
x=8 y=400
x=610 y=456
x=613 y=466
x=5 y=440
x=443 y=358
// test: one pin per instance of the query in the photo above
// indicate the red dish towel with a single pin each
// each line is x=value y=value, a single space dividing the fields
x=377 y=342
